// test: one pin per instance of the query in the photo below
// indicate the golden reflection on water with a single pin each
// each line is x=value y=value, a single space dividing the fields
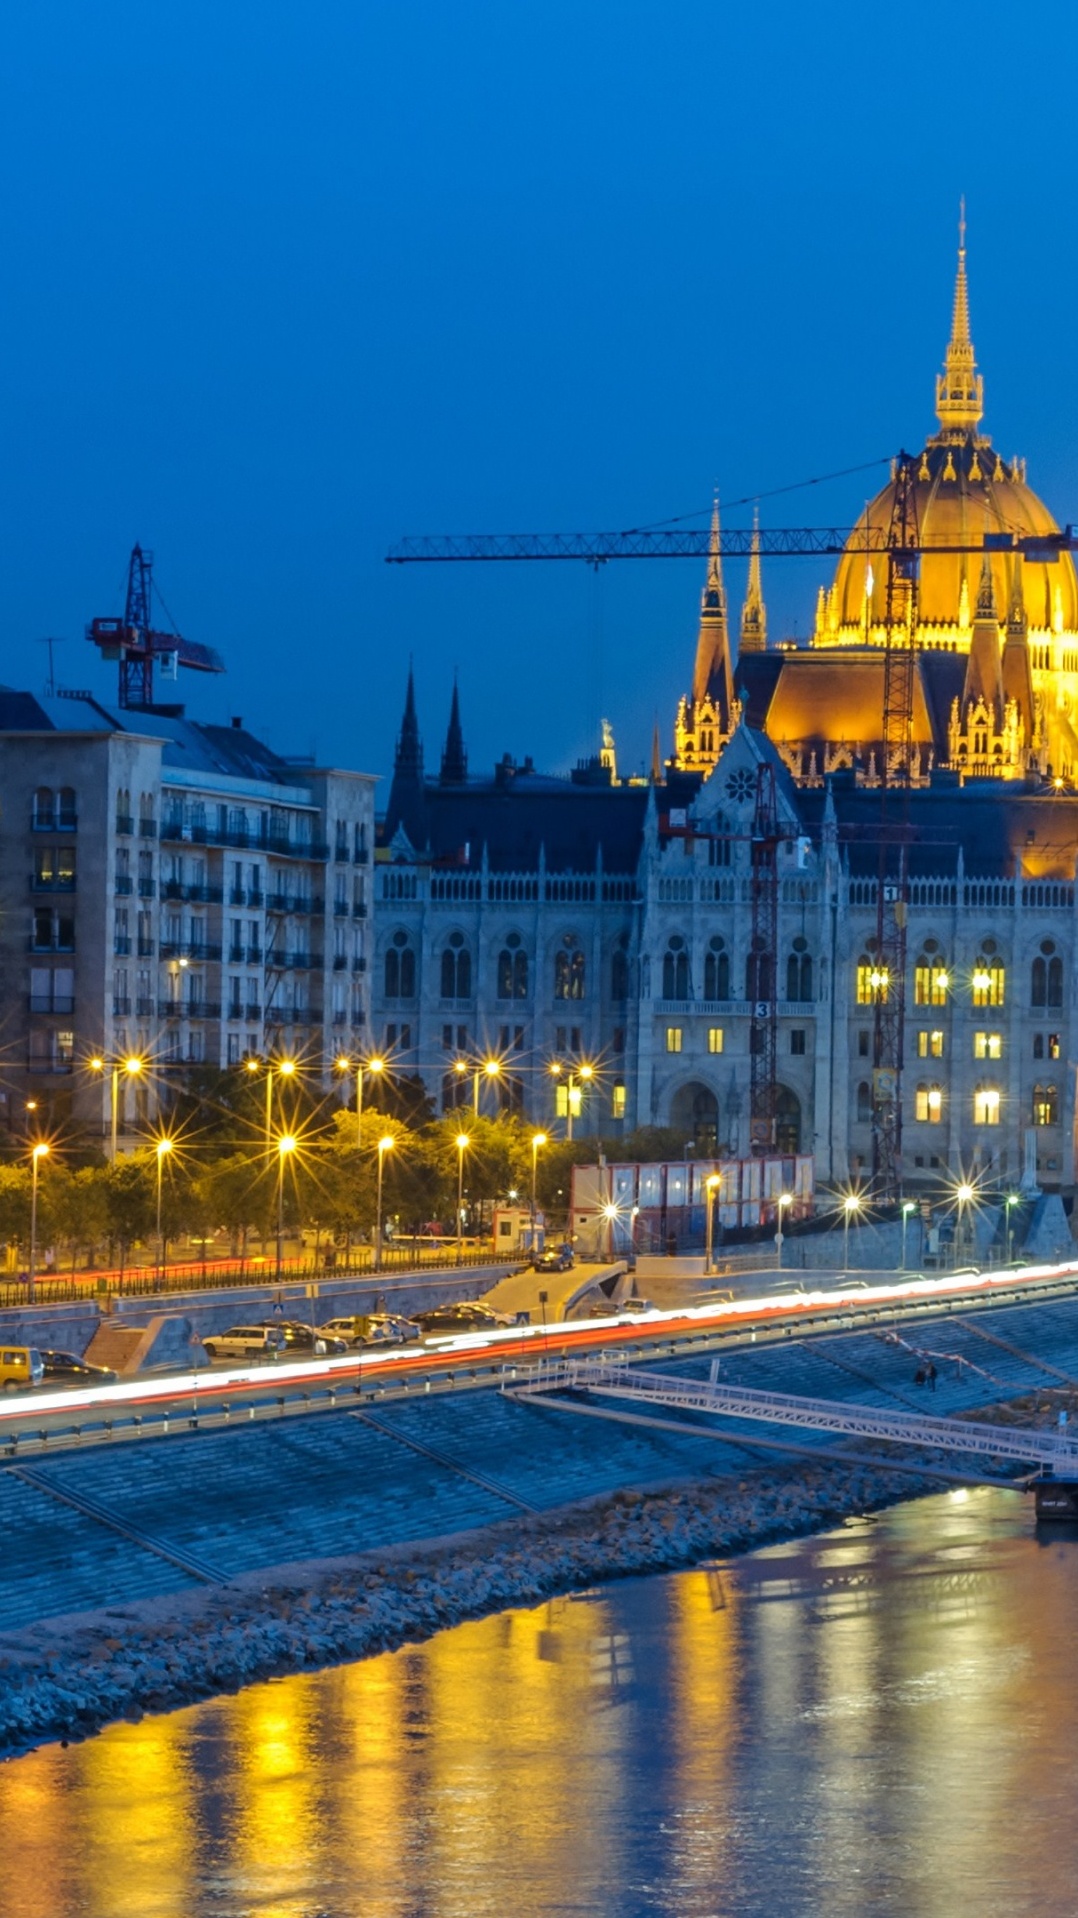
x=860 y=1708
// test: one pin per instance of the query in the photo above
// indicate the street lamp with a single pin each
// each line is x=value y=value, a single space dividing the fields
x=385 y=1145
x=40 y=1151
x=1013 y=1199
x=132 y=1065
x=164 y=1147
x=538 y=1139
x=964 y=1194
x=908 y=1206
x=489 y=1069
x=463 y=1142
x=785 y=1199
x=711 y=1186
x=850 y=1204
x=375 y=1065
x=578 y=1077
x=286 y=1144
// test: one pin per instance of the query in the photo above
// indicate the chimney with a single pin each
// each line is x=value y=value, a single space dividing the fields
x=237 y=723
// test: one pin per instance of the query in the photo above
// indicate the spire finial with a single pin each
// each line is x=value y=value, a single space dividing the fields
x=753 y=613
x=960 y=388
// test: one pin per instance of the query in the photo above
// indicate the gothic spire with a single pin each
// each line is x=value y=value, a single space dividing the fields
x=409 y=754
x=1017 y=674
x=983 y=676
x=406 y=805
x=712 y=677
x=753 y=612
x=960 y=388
x=454 y=757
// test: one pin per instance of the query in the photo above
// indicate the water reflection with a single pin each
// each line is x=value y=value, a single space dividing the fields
x=879 y=1721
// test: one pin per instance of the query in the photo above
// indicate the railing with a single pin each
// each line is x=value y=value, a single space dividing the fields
x=123 y=883
x=125 y=822
x=359 y=911
x=253 y=1011
x=121 y=1008
x=121 y=947
x=236 y=955
x=51 y=1003
x=54 y=822
x=147 y=828
x=254 y=956
x=52 y=945
x=176 y=949
x=52 y=882
x=146 y=948
x=147 y=888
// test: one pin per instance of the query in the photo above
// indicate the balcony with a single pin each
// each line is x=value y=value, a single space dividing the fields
x=341 y=854
x=52 y=882
x=124 y=822
x=340 y=962
x=121 y=1008
x=340 y=1019
x=147 y=828
x=147 y=888
x=145 y=948
x=237 y=896
x=362 y=857
x=256 y=898
x=124 y=884
x=253 y=1011
x=203 y=1009
x=254 y=955
x=54 y=822
x=169 y=1009
x=236 y=955
x=121 y=947
x=360 y=965
x=340 y=909
x=235 y=1010
x=44 y=1003
x=144 y=1008
x=50 y=945
x=359 y=910
x=176 y=949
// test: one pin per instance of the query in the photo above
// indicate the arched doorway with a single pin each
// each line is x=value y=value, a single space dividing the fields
x=694 y=1112
x=787 y=1120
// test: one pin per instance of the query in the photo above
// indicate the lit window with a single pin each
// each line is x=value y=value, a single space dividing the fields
x=617 y=1102
x=873 y=981
x=986 y=1103
x=673 y=1038
x=930 y=982
x=928 y=1104
x=930 y=1045
x=1045 y=1105
x=561 y=1101
x=989 y=980
x=714 y=1038
x=1053 y=1045
x=988 y=1045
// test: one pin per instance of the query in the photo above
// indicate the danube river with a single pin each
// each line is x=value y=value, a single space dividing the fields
x=880 y=1722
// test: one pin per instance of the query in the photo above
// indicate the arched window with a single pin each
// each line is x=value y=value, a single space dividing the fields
x=1046 y=1105
x=986 y=1104
x=43 y=815
x=758 y=972
x=399 y=971
x=716 y=969
x=931 y=979
x=676 y=969
x=512 y=969
x=145 y=814
x=124 y=821
x=799 y=972
x=619 y=969
x=1046 y=982
x=569 y=969
x=864 y=1103
x=873 y=981
x=456 y=968
x=66 y=817
x=989 y=976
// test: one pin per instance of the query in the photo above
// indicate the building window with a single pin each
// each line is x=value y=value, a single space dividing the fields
x=986 y=1104
x=456 y=969
x=1053 y=1045
x=797 y=1040
x=989 y=977
x=873 y=981
x=930 y=1045
x=758 y=973
x=569 y=970
x=512 y=969
x=864 y=1043
x=1046 y=979
x=400 y=968
x=673 y=1038
x=988 y=1045
x=799 y=973
x=931 y=980
x=716 y=969
x=714 y=1038
x=864 y=1103
x=676 y=969
x=928 y=1103
x=1046 y=1105
x=617 y=1102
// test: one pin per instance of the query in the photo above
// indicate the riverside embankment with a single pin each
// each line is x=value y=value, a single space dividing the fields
x=161 y=1573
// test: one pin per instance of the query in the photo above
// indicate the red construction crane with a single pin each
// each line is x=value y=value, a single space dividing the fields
x=136 y=644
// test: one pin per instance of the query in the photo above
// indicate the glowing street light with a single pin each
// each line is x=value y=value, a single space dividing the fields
x=385 y=1144
x=578 y=1077
x=964 y=1194
x=539 y=1139
x=375 y=1065
x=462 y=1142
x=163 y=1148
x=908 y=1206
x=40 y=1151
x=1013 y=1199
x=286 y=1145
x=784 y=1199
x=132 y=1065
x=850 y=1204
x=488 y=1069
x=711 y=1186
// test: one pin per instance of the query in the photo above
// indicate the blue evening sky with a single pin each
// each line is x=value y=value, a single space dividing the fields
x=282 y=282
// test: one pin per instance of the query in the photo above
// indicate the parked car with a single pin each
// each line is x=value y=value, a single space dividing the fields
x=66 y=1368
x=244 y=1342
x=466 y=1315
x=20 y=1368
x=556 y=1258
x=371 y=1328
x=297 y=1336
x=610 y=1308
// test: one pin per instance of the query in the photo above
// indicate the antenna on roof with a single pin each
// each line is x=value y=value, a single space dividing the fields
x=50 y=683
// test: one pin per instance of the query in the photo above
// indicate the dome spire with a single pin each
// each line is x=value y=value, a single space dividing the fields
x=711 y=676
x=960 y=388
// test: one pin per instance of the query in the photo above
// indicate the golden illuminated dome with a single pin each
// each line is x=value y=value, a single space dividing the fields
x=963 y=489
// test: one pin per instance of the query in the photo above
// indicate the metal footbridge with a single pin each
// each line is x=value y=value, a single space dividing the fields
x=1053 y=1451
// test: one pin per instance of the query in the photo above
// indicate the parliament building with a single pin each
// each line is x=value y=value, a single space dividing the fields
x=548 y=924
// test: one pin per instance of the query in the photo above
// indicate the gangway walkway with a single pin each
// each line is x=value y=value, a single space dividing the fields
x=1050 y=1450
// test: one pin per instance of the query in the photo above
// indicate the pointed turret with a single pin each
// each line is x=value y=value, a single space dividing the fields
x=753 y=612
x=454 y=758
x=1017 y=674
x=712 y=676
x=984 y=680
x=406 y=806
x=960 y=388
x=656 y=757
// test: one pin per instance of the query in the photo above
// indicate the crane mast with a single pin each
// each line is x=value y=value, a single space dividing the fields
x=763 y=962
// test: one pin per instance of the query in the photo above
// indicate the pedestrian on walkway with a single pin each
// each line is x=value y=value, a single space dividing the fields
x=931 y=1375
